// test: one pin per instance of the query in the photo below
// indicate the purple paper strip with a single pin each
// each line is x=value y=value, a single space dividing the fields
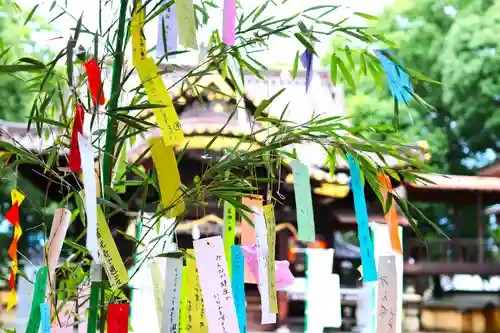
x=229 y=23
x=307 y=59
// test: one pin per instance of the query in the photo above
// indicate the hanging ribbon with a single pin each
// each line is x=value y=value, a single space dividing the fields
x=13 y=217
x=397 y=78
x=307 y=60
x=95 y=82
x=75 y=161
x=391 y=218
x=229 y=22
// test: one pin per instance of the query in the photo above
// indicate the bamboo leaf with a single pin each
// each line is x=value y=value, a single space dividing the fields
x=346 y=75
x=295 y=65
x=20 y=68
x=265 y=103
x=303 y=40
x=366 y=16
x=31 y=13
x=333 y=68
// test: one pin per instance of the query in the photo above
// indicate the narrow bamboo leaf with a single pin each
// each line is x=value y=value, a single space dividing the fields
x=32 y=61
x=295 y=65
x=303 y=40
x=333 y=68
x=20 y=68
x=31 y=13
x=348 y=54
x=261 y=9
x=366 y=16
x=78 y=28
x=395 y=118
x=143 y=106
x=346 y=75
x=76 y=246
x=321 y=7
x=265 y=103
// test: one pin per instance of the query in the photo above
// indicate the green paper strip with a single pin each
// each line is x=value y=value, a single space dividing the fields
x=38 y=298
x=229 y=232
x=93 y=305
x=183 y=312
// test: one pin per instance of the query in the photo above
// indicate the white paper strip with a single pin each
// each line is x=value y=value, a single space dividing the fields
x=262 y=255
x=172 y=296
x=365 y=320
x=60 y=225
x=387 y=295
x=168 y=20
x=331 y=302
x=89 y=184
x=215 y=285
x=158 y=284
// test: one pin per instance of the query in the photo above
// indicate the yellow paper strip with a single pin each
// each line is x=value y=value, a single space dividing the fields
x=112 y=261
x=229 y=232
x=139 y=50
x=183 y=313
x=271 y=267
x=157 y=290
x=186 y=22
x=197 y=320
x=168 y=177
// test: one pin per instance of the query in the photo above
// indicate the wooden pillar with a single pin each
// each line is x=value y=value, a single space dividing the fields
x=480 y=228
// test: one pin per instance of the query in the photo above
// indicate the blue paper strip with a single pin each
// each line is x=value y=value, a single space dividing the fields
x=45 y=313
x=366 y=245
x=397 y=78
x=307 y=59
x=238 y=286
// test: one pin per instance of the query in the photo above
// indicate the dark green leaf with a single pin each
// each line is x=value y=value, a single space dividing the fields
x=366 y=16
x=265 y=103
x=30 y=15
x=346 y=75
x=333 y=68
x=295 y=65
x=303 y=40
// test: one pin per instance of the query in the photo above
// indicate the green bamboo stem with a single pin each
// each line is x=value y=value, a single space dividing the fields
x=111 y=129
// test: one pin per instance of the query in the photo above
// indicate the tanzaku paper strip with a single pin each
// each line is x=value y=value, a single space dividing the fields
x=247 y=232
x=187 y=23
x=169 y=178
x=118 y=318
x=183 y=312
x=90 y=186
x=172 y=295
x=229 y=23
x=391 y=218
x=238 y=286
x=268 y=211
x=303 y=201
x=111 y=259
x=387 y=295
x=38 y=298
x=307 y=61
x=74 y=158
x=215 y=285
x=197 y=319
x=167 y=31
x=45 y=317
x=95 y=83
x=397 y=78
x=365 y=242
x=158 y=284
x=229 y=232
x=139 y=50
x=12 y=216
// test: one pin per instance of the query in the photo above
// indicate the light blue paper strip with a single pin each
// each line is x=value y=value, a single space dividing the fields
x=45 y=313
x=397 y=78
x=238 y=286
x=366 y=244
x=303 y=201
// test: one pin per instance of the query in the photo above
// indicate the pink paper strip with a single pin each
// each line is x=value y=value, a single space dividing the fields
x=215 y=285
x=229 y=23
x=284 y=277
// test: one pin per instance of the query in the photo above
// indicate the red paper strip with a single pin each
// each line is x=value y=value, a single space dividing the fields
x=118 y=318
x=95 y=83
x=75 y=162
x=12 y=216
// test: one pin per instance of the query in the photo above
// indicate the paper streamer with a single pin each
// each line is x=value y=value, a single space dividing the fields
x=268 y=317
x=284 y=276
x=38 y=298
x=229 y=232
x=139 y=50
x=74 y=158
x=187 y=23
x=111 y=259
x=169 y=178
x=167 y=31
x=172 y=295
x=95 y=82
x=183 y=313
x=387 y=295
x=90 y=187
x=158 y=290
x=229 y=23
x=45 y=317
x=118 y=318
x=58 y=230
x=12 y=216
x=397 y=78
x=215 y=285
x=306 y=58
x=332 y=302
x=238 y=286
x=247 y=232
x=365 y=242
x=268 y=211
x=391 y=217
x=303 y=201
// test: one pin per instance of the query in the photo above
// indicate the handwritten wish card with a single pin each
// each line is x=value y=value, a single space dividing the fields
x=167 y=31
x=268 y=211
x=183 y=312
x=139 y=49
x=45 y=316
x=197 y=318
x=90 y=187
x=387 y=295
x=365 y=316
x=268 y=317
x=215 y=285
x=229 y=232
x=111 y=259
x=158 y=284
x=118 y=318
x=303 y=201
x=365 y=241
x=187 y=23
x=172 y=295
x=238 y=286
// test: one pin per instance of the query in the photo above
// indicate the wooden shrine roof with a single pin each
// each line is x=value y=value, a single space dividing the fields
x=492 y=170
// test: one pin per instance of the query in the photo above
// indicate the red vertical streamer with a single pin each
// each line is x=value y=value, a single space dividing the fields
x=95 y=83
x=118 y=318
x=75 y=162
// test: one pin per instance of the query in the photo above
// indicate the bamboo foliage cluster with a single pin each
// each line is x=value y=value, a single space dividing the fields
x=233 y=176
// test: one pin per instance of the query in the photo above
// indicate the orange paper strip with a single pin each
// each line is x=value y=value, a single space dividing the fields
x=247 y=232
x=391 y=218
